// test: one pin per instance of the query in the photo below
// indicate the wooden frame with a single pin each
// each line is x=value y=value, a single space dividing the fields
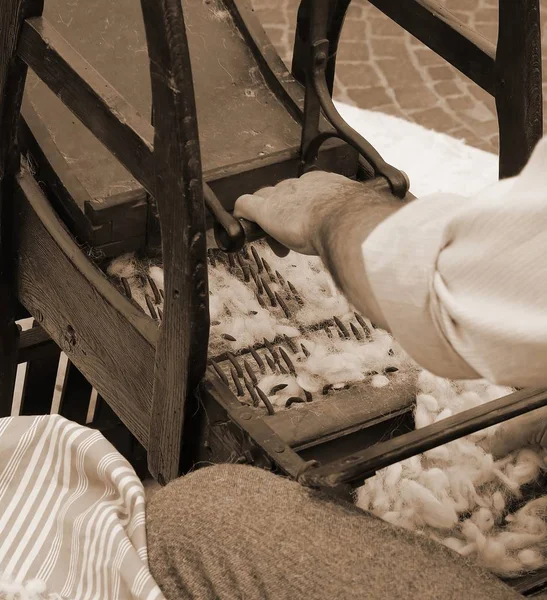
x=132 y=364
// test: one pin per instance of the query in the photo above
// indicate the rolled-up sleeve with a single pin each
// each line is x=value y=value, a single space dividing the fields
x=462 y=282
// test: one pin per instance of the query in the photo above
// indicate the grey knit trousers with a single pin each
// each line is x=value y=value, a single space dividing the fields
x=236 y=532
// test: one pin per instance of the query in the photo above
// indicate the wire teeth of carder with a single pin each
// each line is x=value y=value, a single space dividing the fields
x=257 y=259
x=295 y=294
x=236 y=381
x=126 y=287
x=283 y=305
x=258 y=360
x=265 y=400
x=269 y=270
x=293 y=347
x=269 y=292
x=288 y=361
x=356 y=332
x=342 y=328
x=250 y=372
x=219 y=371
x=155 y=290
x=150 y=306
x=363 y=324
x=235 y=364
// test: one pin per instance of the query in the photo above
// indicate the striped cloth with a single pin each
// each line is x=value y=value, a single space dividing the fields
x=72 y=515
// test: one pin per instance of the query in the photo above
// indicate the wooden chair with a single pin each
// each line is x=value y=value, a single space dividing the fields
x=156 y=379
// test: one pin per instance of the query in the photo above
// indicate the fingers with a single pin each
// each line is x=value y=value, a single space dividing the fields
x=248 y=207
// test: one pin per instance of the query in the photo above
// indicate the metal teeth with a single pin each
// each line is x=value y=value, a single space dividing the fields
x=250 y=372
x=228 y=337
x=162 y=292
x=305 y=351
x=328 y=331
x=283 y=305
x=290 y=344
x=215 y=323
x=240 y=261
x=252 y=391
x=155 y=290
x=277 y=388
x=280 y=279
x=342 y=328
x=272 y=350
x=235 y=364
x=363 y=324
x=294 y=400
x=265 y=400
x=269 y=291
x=219 y=371
x=271 y=363
x=257 y=280
x=295 y=294
x=356 y=332
x=308 y=395
x=269 y=271
x=126 y=287
x=282 y=369
x=150 y=306
x=160 y=314
x=261 y=301
x=257 y=259
x=246 y=273
x=288 y=361
x=391 y=370
x=258 y=360
x=237 y=383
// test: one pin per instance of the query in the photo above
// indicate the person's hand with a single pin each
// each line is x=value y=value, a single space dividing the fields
x=527 y=430
x=292 y=211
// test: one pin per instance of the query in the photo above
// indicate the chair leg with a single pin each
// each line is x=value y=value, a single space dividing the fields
x=519 y=83
x=9 y=340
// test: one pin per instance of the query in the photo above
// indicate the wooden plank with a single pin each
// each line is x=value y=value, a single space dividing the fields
x=68 y=193
x=40 y=382
x=75 y=396
x=519 y=83
x=344 y=412
x=103 y=334
x=440 y=30
x=359 y=466
x=34 y=344
x=182 y=348
x=12 y=82
x=95 y=102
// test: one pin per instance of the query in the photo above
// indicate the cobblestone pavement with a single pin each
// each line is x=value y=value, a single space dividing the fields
x=382 y=67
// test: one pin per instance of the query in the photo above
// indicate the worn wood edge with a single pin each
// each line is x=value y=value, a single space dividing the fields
x=62 y=238
x=446 y=35
x=181 y=355
x=105 y=337
x=94 y=101
x=256 y=427
x=55 y=172
x=344 y=412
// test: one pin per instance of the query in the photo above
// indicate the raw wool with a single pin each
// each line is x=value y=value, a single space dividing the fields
x=33 y=589
x=458 y=494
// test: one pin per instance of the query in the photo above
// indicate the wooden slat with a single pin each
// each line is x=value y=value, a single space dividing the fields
x=182 y=348
x=75 y=396
x=90 y=97
x=40 y=382
x=519 y=99
x=441 y=31
x=35 y=344
x=344 y=412
x=109 y=340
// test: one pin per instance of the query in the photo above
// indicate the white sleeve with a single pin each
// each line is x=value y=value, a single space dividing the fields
x=462 y=282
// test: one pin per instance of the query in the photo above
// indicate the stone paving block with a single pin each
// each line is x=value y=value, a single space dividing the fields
x=384 y=68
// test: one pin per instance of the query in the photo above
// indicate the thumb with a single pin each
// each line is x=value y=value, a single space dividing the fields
x=248 y=207
x=527 y=430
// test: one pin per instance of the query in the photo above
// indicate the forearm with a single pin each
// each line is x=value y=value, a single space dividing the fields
x=341 y=233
